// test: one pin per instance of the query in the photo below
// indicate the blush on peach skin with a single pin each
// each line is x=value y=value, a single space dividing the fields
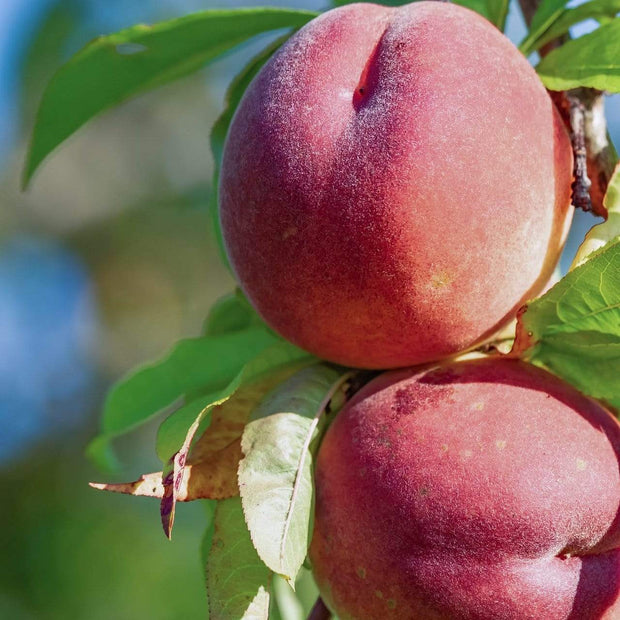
x=395 y=184
x=481 y=490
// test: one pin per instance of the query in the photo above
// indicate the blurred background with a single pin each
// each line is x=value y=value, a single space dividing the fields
x=104 y=263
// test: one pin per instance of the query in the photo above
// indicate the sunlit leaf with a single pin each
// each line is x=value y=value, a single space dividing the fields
x=547 y=12
x=210 y=470
x=196 y=365
x=574 y=329
x=564 y=18
x=494 y=10
x=227 y=422
x=237 y=580
x=601 y=234
x=275 y=475
x=592 y=60
x=116 y=67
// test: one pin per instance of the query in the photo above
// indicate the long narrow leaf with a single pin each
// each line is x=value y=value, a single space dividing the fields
x=566 y=18
x=548 y=11
x=198 y=365
x=116 y=67
x=592 y=60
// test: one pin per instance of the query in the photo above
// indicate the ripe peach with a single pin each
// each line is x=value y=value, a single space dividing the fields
x=480 y=490
x=395 y=184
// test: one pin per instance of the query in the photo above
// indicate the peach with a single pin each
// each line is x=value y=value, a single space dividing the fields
x=480 y=490
x=395 y=184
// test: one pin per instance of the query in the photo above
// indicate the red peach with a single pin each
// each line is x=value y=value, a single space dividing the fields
x=395 y=184
x=480 y=490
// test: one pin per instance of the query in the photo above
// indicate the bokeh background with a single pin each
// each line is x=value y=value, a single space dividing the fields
x=104 y=263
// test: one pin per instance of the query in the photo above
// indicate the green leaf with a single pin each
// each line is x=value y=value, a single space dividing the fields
x=45 y=53
x=116 y=67
x=546 y=14
x=173 y=430
x=592 y=60
x=564 y=18
x=220 y=129
x=237 y=581
x=197 y=365
x=275 y=475
x=495 y=11
x=601 y=234
x=282 y=356
x=231 y=313
x=574 y=329
x=611 y=201
x=207 y=538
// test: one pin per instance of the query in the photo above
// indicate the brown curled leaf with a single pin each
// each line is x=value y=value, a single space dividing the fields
x=217 y=452
x=211 y=478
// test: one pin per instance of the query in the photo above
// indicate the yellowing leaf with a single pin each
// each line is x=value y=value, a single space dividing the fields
x=229 y=413
x=601 y=234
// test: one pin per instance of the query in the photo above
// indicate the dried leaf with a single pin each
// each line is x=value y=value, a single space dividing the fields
x=218 y=446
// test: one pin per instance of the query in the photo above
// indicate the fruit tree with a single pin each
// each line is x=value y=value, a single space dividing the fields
x=401 y=409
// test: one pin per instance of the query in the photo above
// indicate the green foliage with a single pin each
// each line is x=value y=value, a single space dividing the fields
x=237 y=581
x=546 y=14
x=220 y=128
x=495 y=11
x=275 y=475
x=173 y=430
x=550 y=25
x=116 y=67
x=574 y=329
x=199 y=365
x=173 y=433
x=231 y=313
x=280 y=356
x=592 y=60
x=45 y=53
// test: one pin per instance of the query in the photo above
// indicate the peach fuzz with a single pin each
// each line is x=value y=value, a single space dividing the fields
x=395 y=184
x=480 y=490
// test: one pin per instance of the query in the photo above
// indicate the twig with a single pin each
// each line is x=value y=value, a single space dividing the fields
x=600 y=155
x=319 y=611
x=581 y=184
